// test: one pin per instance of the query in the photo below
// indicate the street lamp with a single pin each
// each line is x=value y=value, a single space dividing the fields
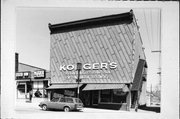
x=78 y=80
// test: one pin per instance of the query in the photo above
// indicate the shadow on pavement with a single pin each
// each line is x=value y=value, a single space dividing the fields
x=150 y=108
x=57 y=110
x=101 y=108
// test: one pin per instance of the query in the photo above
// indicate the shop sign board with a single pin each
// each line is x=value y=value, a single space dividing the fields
x=23 y=75
x=39 y=74
x=88 y=66
x=89 y=71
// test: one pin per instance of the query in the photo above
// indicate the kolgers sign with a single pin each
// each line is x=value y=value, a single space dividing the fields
x=88 y=66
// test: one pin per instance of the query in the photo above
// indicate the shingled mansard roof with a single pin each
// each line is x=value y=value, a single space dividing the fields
x=97 y=40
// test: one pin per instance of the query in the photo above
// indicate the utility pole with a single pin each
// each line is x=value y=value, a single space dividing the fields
x=151 y=94
x=159 y=67
x=159 y=72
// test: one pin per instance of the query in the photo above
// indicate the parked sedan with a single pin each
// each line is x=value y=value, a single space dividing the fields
x=62 y=103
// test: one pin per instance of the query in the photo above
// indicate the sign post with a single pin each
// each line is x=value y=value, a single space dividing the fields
x=78 y=80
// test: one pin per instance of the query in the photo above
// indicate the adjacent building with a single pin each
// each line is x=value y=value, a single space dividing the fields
x=113 y=62
x=29 y=78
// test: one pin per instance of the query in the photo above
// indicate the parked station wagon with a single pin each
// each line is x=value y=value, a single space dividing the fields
x=62 y=103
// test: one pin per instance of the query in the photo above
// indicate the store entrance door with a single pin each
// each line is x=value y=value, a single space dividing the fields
x=95 y=97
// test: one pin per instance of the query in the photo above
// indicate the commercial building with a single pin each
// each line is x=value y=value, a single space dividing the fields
x=110 y=57
x=29 y=78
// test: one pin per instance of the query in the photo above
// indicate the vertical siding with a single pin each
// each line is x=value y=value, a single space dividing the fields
x=94 y=45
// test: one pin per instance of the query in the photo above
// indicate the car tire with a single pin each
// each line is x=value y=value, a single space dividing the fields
x=66 y=109
x=44 y=107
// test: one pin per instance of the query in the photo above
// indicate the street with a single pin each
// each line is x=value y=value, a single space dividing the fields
x=24 y=110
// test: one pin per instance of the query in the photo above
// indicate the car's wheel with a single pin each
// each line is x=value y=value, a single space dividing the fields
x=44 y=107
x=66 y=109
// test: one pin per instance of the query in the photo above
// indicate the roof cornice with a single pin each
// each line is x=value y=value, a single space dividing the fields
x=124 y=18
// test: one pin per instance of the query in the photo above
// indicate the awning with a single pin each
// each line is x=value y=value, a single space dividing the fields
x=105 y=86
x=22 y=80
x=63 y=86
x=46 y=79
x=138 y=75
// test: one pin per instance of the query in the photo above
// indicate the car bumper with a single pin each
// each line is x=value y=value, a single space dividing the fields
x=79 y=108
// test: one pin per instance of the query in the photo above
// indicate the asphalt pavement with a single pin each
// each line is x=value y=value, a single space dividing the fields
x=26 y=110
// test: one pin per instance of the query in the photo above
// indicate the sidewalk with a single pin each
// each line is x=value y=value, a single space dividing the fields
x=25 y=104
x=26 y=110
x=34 y=100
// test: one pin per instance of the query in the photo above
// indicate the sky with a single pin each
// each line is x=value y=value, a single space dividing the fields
x=33 y=34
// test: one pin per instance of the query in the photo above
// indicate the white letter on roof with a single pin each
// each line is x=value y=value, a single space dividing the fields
x=62 y=67
x=112 y=65
x=70 y=67
x=87 y=66
x=104 y=65
x=96 y=66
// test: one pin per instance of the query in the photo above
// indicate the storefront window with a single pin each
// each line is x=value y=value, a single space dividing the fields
x=118 y=96
x=38 y=89
x=113 y=96
x=21 y=88
x=57 y=93
x=38 y=93
x=38 y=84
x=106 y=96
x=69 y=93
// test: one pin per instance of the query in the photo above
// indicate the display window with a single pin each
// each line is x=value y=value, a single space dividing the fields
x=57 y=95
x=118 y=96
x=69 y=93
x=21 y=88
x=38 y=90
x=105 y=96
x=38 y=84
x=113 y=96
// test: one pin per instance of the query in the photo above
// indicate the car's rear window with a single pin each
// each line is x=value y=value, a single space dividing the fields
x=78 y=100
x=69 y=100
